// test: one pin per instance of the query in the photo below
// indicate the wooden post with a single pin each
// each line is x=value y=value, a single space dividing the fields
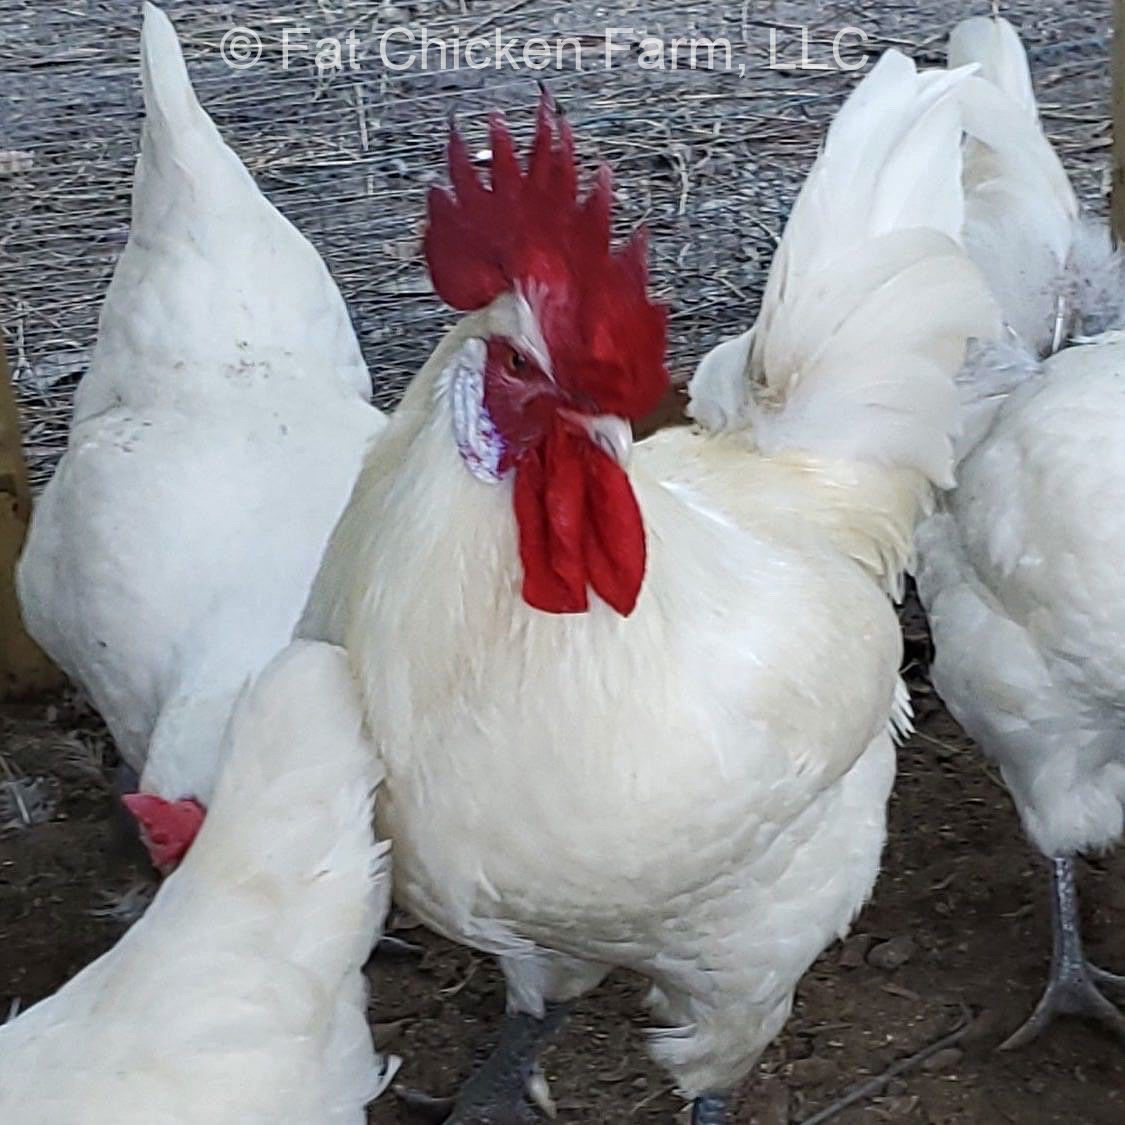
x=1117 y=203
x=24 y=670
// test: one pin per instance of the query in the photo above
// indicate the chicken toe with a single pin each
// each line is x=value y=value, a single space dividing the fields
x=1072 y=987
x=710 y=1109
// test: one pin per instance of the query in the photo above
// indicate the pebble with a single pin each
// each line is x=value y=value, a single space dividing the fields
x=769 y=1103
x=897 y=1108
x=945 y=1059
x=893 y=954
x=811 y=1072
x=985 y=1027
x=854 y=951
x=384 y=1034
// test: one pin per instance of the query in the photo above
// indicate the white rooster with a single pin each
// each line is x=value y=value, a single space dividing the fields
x=641 y=702
x=1020 y=570
x=238 y=999
x=214 y=442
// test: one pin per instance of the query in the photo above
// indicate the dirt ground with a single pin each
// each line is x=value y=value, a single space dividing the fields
x=962 y=896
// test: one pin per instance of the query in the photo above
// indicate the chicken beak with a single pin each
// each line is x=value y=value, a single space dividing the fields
x=611 y=434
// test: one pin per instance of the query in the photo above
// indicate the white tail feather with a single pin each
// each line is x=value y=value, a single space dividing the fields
x=871 y=301
x=993 y=45
x=212 y=271
x=1020 y=210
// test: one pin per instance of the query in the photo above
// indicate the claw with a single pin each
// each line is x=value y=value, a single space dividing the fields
x=1072 y=987
x=396 y=947
x=495 y=1093
x=1073 y=994
x=1107 y=980
x=710 y=1109
x=423 y=1107
x=428 y=1110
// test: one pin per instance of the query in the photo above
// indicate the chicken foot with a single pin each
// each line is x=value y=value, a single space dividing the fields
x=494 y=1095
x=710 y=1109
x=1072 y=987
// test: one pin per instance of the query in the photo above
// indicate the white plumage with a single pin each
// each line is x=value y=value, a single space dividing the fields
x=214 y=441
x=1020 y=571
x=695 y=791
x=880 y=215
x=238 y=999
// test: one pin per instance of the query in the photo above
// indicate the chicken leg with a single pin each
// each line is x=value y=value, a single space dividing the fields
x=1072 y=988
x=710 y=1109
x=495 y=1094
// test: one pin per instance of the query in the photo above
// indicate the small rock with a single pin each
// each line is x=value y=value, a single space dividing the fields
x=385 y=1034
x=945 y=1059
x=769 y=1103
x=898 y=1108
x=984 y=1028
x=892 y=989
x=811 y=1072
x=893 y=954
x=854 y=951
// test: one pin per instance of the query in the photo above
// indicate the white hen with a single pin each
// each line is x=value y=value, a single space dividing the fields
x=238 y=999
x=1021 y=570
x=214 y=442
x=691 y=784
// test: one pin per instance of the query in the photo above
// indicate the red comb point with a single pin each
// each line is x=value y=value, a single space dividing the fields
x=529 y=231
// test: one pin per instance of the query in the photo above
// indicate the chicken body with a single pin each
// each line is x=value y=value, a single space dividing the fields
x=685 y=792
x=695 y=790
x=214 y=442
x=1030 y=649
x=1018 y=569
x=238 y=999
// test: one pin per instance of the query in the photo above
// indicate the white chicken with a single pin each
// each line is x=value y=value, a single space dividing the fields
x=214 y=442
x=647 y=722
x=1020 y=569
x=238 y=999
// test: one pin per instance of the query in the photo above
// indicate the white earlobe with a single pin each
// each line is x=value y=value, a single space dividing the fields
x=479 y=442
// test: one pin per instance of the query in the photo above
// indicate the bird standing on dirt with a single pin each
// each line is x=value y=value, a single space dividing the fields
x=214 y=442
x=636 y=702
x=239 y=997
x=1020 y=571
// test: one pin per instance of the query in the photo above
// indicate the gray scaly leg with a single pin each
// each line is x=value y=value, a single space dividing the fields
x=494 y=1095
x=1072 y=987
x=710 y=1109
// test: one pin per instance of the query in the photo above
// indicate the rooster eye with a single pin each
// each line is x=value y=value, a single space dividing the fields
x=516 y=361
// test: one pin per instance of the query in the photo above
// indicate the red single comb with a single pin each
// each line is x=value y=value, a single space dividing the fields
x=530 y=231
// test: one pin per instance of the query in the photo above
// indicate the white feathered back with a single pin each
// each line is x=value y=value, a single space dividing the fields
x=870 y=298
x=238 y=998
x=212 y=272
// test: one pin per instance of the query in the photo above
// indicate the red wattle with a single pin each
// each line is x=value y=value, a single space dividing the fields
x=579 y=525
